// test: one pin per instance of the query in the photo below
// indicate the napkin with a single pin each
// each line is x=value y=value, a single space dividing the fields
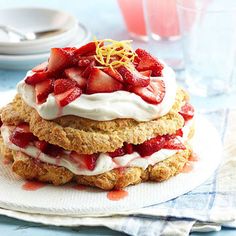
x=209 y=207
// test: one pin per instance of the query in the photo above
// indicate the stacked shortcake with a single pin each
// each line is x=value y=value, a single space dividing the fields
x=102 y=115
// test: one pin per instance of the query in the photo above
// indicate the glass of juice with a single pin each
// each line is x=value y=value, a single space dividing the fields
x=133 y=14
x=162 y=19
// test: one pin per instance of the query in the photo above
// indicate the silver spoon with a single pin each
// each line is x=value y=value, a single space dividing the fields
x=16 y=35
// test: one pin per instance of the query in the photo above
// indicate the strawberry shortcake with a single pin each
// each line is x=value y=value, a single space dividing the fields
x=102 y=115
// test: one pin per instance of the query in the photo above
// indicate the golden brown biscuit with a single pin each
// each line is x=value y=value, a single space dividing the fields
x=88 y=136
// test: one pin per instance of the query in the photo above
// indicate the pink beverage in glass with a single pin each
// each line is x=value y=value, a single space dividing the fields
x=133 y=14
x=162 y=17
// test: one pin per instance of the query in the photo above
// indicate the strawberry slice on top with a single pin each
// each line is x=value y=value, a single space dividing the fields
x=114 y=74
x=41 y=67
x=68 y=96
x=75 y=74
x=154 y=93
x=42 y=90
x=63 y=85
x=37 y=77
x=100 y=82
x=148 y=62
x=60 y=59
x=133 y=77
x=87 y=49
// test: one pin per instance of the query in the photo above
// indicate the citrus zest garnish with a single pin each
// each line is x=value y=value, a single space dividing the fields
x=113 y=54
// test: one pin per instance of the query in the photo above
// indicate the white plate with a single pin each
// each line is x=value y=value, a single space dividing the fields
x=34 y=20
x=26 y=62
x=65 y=200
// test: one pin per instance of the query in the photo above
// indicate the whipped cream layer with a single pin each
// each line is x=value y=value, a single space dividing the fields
x=104 y=162
x=104 y=106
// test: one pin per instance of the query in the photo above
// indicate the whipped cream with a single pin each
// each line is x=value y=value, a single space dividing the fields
x=105 y=106
x=104 y=162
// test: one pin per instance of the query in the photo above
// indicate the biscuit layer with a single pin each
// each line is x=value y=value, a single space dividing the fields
x=88 y=136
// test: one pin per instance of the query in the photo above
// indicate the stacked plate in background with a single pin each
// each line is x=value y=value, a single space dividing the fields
x=28 y=34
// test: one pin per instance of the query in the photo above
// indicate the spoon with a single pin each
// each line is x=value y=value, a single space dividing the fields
x=16 y=35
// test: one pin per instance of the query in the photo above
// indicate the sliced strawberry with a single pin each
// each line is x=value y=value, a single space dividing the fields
x=118 y=152
x=65 y=98
x=153 y=93
x=179 y=132
x=42 y=90
x=87 y=71
x=147 y=62
x=21 y=135
x=53 y=150
x=174 y=144
x=128 y=148
x=100 y=82
x=63 y=85
x=74 y=73
x=41 y=145
x=1 y=123
x=84 y=161
x=146 y=73
x=41 y=67
x=87 y=49
x=90 y=161
x=59 y=59
x=69 y=49
x=114 y=74
x=133 y=78
x=85 y=60
x=37 y=78
x=187 y=111
x=150 y=146
x=136 y=60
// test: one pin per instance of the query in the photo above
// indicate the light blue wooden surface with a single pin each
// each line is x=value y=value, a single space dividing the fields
x=104 y=20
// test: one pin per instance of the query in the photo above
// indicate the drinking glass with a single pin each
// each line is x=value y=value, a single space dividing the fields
x=133 y=14
x=208 y=31
x=162 y=19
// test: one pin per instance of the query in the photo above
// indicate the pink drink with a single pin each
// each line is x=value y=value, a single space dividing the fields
x=134 y=17
x=163 y=19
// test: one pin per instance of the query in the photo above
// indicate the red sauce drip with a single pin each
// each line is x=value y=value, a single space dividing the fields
x=32 y=185
x=79 y=187
x=187 y=167
x=117 y=195
x=193 y=157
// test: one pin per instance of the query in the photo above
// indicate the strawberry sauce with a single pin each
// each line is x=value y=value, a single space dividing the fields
x=193 y=157
x=187 y=167
x=32 y=185
x=116 y=195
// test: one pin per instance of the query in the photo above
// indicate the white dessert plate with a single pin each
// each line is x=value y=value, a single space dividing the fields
x=35 y=20
x=25 y=62
x=70 y=201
